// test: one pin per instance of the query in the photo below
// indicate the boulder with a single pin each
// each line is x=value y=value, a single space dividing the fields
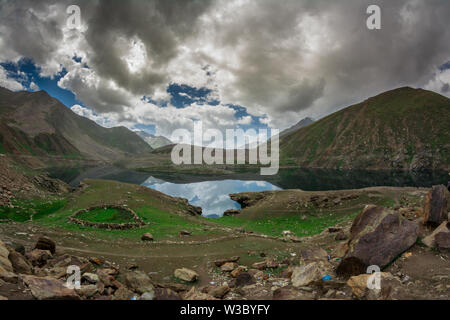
x=443 y=240
x=219 y=292
x=147 y=237
x=38 y=258
x=138 y=281
x=87 y=291
x=148 y=296
x=244 y=279
x=195 y=294
x=304 y=275
x=430 y=240
x=45 y=243
x=166 y=294
x=5 y=264
x=19 y=263
x=231 y=212
x=389 y=287
x=260 y=265
x=220 y=262
x=229 y=266
x=91 y=277
x=186 y=274
x=49 y=289
x=185 y=233
x=340 y=236
x=8 y=276
x=123 y=294
x=238 y=271
x=377 y=236
x=437 y=203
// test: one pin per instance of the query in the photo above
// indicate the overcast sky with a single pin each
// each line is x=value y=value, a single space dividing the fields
x=247 y=63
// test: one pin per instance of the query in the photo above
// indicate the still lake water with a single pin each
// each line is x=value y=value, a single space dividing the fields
x=211 y=193
x=212 y=196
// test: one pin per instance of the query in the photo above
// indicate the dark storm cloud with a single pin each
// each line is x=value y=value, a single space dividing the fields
x=160 y=24
x=287 y=59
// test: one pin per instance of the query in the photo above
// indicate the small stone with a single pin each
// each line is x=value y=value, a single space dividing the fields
x=229 y=266
x=186 y=274
x=147 y=237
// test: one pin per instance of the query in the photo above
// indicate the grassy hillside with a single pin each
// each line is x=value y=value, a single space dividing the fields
x=37 y=124
x=400 y=129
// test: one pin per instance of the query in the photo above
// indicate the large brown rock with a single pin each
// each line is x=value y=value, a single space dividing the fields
x=436 y=206
x=5 y=264
x=377 y=236
x=312 y=272
x=443 y=240
x=49 y=289
x=430 y=240
x=45 y=243
x=186 y=274
x=19 y=263
x=138 y=281
x=38 y=258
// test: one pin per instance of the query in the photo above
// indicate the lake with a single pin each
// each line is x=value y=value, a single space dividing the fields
x=211 y=192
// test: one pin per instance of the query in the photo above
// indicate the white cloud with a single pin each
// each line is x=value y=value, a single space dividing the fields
x=440 y=83
x=9 y=83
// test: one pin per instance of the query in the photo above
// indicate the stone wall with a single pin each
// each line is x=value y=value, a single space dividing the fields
x=138 y=222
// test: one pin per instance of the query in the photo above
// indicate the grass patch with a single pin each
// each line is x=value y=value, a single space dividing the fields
x=108 y=215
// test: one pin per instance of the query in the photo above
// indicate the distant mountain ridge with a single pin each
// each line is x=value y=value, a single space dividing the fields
x=34 y=123
x=154 y=141
x=302 y=123
x=405 y=129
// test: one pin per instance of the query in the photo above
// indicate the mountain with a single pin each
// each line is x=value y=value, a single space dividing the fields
x=33 y=123
x=154 y=141
x=302 y=123
x=404 y=129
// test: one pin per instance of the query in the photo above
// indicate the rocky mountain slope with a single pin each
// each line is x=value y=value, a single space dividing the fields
x=154 y=141
x=301 y=124
x=33 y=123
x=404 y=129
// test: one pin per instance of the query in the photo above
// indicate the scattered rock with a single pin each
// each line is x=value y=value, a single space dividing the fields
x=38 y=258
x=238 y=271
x=340 y=236
x=139 y=282
x=220 y=262
x=87 y=291
x=219 y=292
x=185 y=233
x=97 y=261
x=437 y=202
x=8 y=277
x=430 y=240
x=123 y=294
x=260 y=265
x=148 y=296
x=195 y=294
x=244 y=279
x=147 y=237
x=45 y=243
x=5 y=264
x=91 y=277
x=186 y=274
x=443 y=240
x=229 y=266
x=49 y=289
x=19 y=263
x=377 y=236
x=166 y=294
x=231 y=212
x=334 y=230
x=307 y=274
